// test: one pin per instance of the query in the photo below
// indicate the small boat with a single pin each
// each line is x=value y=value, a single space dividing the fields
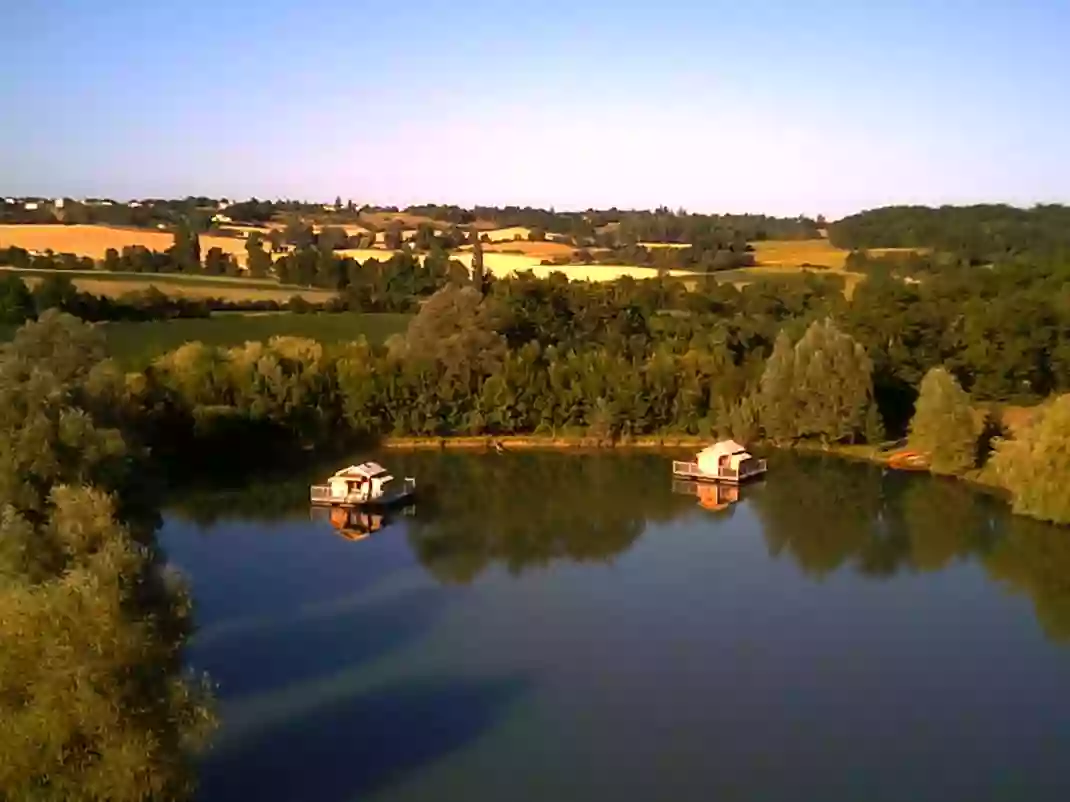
x=726 y=461
x=367 y=483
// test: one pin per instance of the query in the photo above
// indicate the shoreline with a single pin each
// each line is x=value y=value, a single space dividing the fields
x=854 y=453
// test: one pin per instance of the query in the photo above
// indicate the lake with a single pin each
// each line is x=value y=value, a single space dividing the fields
x=574 y=627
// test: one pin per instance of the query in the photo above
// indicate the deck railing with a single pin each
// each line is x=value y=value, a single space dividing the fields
x=320 y=493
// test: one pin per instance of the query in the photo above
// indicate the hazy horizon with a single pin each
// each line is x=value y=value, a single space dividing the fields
x=769 y=108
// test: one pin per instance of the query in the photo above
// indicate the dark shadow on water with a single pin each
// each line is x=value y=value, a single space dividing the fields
x=347 y=749
x=314 y=643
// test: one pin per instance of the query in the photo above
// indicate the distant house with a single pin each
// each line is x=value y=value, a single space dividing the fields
x=221 y=218
x=31 y=206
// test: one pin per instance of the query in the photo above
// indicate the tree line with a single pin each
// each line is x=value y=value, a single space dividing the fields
x=979 y=234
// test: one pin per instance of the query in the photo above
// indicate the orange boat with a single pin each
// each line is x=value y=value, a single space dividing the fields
x=908 y=460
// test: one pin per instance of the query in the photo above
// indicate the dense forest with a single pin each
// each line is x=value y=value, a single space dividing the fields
x=977 y=234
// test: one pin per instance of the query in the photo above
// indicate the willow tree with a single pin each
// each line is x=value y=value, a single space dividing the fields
x=93 y=699
x=944 y=425
x=1034 y=466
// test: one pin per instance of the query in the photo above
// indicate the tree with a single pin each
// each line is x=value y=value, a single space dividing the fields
x=55 y=291
x=776 y=393
x=215 y=262
x=16 y=301
x=111 y=260
x=1034 y=465
x=944 y=425
x=833 y=384
x=457 y=329
x=92 y=695
x=392 y=238
x=822 y=387
x=257 y=260
x=186 y=250
x=479 y=278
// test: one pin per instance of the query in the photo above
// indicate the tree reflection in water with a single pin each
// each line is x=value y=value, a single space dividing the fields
x=528 y=509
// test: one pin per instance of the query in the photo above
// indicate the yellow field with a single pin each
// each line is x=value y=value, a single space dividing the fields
x=541 y=250
x=363 y=254
x=232 y=290
x=93 y=241
x=382 y=219
x=796 y=253
x=507 y=234
x=653 y=245
x=894 y=251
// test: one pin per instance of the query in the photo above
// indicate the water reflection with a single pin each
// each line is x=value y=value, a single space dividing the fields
x=711 y=496
x=528 y=510
x=358 y=523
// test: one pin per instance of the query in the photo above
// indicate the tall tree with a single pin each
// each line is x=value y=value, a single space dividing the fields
x=1035 y=464
x=257 y=260
x=479 y=278
x=16 y=300
x=186 y=250
x=944 y=425
x=776 y=398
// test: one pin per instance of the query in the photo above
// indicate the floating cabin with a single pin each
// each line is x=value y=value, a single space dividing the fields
x=726 y=461
x=367 y=483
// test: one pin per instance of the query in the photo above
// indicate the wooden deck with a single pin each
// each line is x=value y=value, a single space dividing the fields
x=405 y=488
x=691 y=470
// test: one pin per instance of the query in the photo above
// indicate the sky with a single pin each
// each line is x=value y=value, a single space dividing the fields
x=773 y=106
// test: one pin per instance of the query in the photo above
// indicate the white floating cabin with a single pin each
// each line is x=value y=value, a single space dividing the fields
x=367 y=483
x=726 y=461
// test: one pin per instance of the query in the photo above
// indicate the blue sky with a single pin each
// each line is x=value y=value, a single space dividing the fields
x=768 y=105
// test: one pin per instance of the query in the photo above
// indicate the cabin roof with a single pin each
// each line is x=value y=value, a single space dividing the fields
x=724 y=447
x=365 y=470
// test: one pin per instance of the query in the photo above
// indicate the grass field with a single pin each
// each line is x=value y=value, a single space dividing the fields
x=93 y=241
x=177 y=284
x=135 y=345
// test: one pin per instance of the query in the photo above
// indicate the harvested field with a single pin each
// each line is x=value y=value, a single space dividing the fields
x=507 y=234
x=363 y=254
x=504 y=264
x=799 y=253
x=383 y=219
x=542 y=250
x=93 y=241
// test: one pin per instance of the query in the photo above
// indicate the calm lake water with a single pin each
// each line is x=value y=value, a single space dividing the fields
x=563 y=627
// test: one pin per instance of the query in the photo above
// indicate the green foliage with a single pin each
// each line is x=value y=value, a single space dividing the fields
x=1034 y=465
x=979 y=234
x=944 y=425
x=136 y=345
x=822 y=387
x=16 y=301
x=92 y=695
